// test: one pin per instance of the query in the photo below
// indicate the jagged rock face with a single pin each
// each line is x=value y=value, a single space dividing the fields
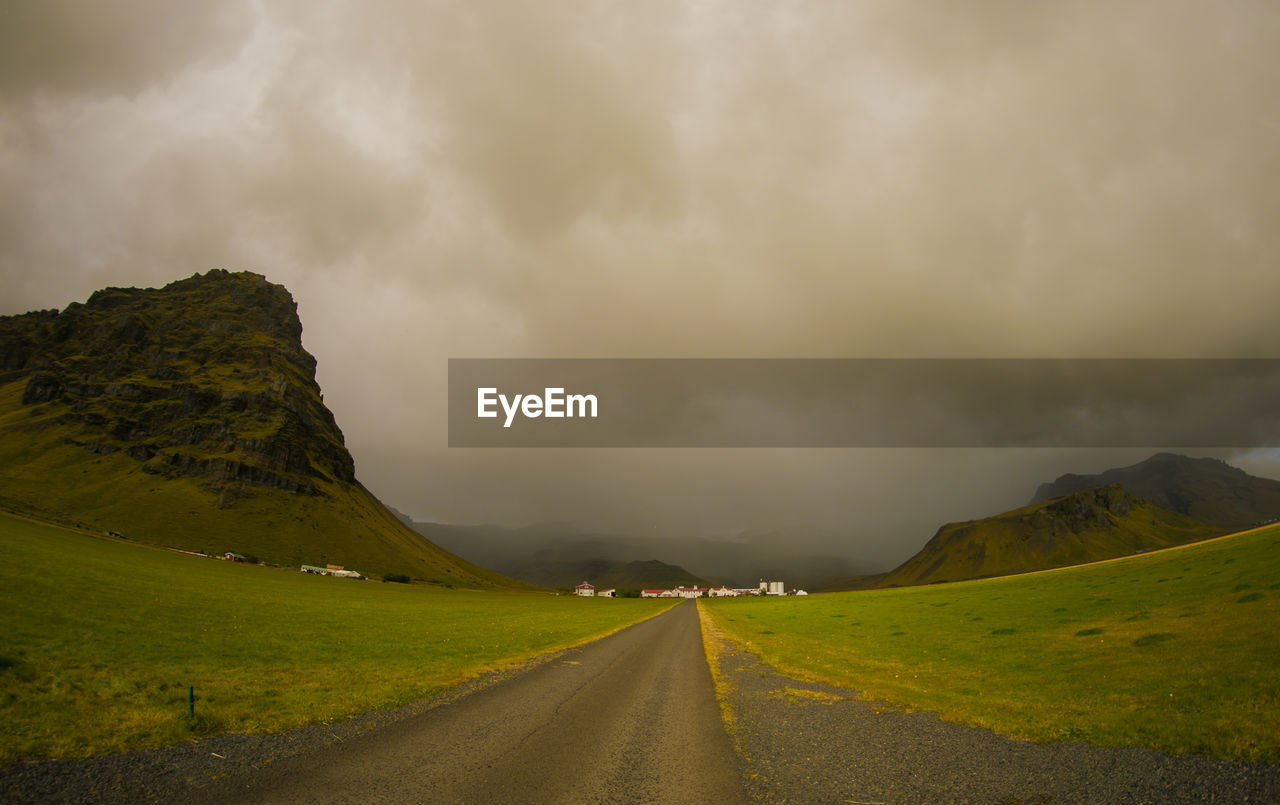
x=204 y=377
x=1085 y=511
x=1204 y=488
x=1040 y=527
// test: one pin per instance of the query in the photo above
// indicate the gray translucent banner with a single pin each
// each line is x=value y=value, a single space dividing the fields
x=864 y=402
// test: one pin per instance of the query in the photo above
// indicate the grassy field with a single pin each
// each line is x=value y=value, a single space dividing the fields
x=1176 y=650
x=99 y=641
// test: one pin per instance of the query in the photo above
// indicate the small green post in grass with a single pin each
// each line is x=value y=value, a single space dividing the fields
x=191 y=701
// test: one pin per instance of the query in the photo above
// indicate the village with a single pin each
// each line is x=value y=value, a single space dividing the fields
x=588 y=590
x=584 y=590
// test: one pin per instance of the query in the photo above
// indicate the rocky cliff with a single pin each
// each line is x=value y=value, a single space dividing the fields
x=1204 y=488
x=205 y=377
x=189 y=416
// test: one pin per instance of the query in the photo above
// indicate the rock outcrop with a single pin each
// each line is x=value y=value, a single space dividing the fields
x=189 y=417
x=205 y=377
x=1204 y=488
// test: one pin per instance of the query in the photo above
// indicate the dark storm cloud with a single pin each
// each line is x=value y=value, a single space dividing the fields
x=668 y=179
x=86 y=48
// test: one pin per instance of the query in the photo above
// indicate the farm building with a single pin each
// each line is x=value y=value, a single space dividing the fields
x=710 y=592
x=585 y=589
x=606 y=592
x=331 y=570
x=689 y=592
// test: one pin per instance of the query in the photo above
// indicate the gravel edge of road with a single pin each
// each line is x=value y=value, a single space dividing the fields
x=805 y=742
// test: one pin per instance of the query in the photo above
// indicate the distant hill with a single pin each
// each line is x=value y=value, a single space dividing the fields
x=622 y=576
x=799 y=557
x=520 y=554
x=1082 y=527
x=189 y=416
x=1207 y=489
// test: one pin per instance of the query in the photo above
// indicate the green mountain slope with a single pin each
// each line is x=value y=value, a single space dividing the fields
x=1207 y=489
x=1084 y=527
x=189 y=416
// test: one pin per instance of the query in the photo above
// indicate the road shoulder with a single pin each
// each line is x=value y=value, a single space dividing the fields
x=803 y=742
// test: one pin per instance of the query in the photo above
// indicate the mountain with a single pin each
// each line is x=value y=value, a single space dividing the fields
x=626 y=576
x=1207 y=489
x=800 y=557
x=189 y=416
x=1082 y=527
x=563 y=564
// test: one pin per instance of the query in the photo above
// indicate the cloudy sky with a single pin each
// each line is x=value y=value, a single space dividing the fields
x=663 y=179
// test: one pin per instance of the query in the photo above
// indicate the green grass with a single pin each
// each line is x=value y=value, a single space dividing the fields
x=100 y=639
x=1176 y=650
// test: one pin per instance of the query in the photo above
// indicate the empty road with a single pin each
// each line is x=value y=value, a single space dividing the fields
x=630 y=718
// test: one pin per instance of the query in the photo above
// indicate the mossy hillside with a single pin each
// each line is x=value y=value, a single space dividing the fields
x=345 y=525
x=189 y=416
x=1208 y=489
x=100 y=639
x=1083 y=527
x=1174 y=650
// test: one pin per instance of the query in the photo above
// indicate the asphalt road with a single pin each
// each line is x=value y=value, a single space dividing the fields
x=630 y=718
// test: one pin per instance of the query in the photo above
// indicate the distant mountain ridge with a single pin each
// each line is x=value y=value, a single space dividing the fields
x=792 y=555
x=189 y=416
x=1206 y=489
x=632 y=576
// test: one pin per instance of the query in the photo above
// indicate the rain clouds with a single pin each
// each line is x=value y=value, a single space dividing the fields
x=664 y=180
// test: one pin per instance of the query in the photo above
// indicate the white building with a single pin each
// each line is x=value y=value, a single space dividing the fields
x=689 y=592
x=585 y=589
